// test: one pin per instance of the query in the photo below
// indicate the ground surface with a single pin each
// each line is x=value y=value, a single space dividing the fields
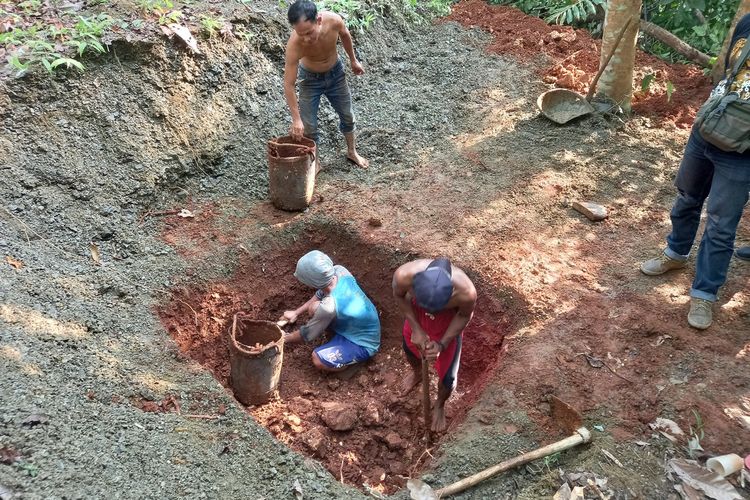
x=462 y=165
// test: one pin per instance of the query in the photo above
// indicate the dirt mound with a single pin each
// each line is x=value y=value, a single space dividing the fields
x=571 y=58
x=384 y=437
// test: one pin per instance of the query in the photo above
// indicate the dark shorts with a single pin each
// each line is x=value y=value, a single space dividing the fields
x=340 y=352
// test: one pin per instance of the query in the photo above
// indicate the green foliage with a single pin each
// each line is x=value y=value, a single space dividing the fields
x=45 y=45
x=356 y=15
x=574 y=11
x=211 y=25
x=696 y=435
x=702 y=24
x=164 y=10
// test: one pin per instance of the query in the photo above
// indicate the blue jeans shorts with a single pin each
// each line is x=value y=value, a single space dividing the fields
x=340 y=352
x=332 y=84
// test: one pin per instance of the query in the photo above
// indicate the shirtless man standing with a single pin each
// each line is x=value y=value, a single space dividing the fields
x=311 y=57
x=437 y=301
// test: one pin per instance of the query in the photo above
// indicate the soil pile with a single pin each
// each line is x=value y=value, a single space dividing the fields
x=571 y=59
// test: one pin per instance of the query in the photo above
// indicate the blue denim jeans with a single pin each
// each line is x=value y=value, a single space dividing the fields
x=332 y=84
x=723 y=178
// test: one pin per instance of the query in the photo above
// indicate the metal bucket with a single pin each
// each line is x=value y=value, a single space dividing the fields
x=256 y=351
x=291 y=172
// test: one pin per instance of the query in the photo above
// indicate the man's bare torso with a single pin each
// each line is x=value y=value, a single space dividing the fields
x=320 y=55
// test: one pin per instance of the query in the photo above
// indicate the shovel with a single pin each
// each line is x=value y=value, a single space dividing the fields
x=562 y=413
x=426 y=399
x=563 y=105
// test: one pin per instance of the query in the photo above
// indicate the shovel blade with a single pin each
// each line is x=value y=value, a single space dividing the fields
x=419 y=490
x=563 y=105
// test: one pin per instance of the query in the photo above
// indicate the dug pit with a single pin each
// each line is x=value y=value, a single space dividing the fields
x=355 y=422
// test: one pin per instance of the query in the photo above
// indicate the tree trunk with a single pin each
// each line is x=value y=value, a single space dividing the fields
x=617 y=80
x=718 y=72
x=674 y=42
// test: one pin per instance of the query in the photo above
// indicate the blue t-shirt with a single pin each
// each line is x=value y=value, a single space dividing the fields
x=346 y=311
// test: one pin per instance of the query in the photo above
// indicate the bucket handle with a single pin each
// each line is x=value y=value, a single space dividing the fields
x=301 y=147
x=242 y=347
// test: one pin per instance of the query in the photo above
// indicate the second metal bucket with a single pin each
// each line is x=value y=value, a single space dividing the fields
x=256 y=352
x=291 y=172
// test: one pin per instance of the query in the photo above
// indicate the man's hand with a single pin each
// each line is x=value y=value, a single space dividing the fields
x=419 y=338
x=290 y=316
x=297 y=129
x=432 y=350
x=357 y=68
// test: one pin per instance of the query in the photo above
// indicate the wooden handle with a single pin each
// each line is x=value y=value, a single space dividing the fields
x=595 y=81
x=426 y=400
x=582 y=435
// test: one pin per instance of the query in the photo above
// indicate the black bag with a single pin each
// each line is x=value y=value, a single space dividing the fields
x=724 y=121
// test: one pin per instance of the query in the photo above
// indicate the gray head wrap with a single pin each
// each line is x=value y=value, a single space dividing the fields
x=315 y=269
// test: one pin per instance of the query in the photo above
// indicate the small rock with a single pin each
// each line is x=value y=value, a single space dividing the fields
x=393 y=441
x=315 y=440
x=371 y=415
x=376 y=475
x=375 y=222
x=363 y=380
x=334 y=383
x=592 y=211
x=397 y=468
x=294 y=419
x=35 y=419
x=8 y=455
x=339 y=416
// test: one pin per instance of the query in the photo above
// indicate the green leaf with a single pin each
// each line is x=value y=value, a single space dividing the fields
x=68 y=62
x=670 y=91
x=47 y=65
x=646 y=82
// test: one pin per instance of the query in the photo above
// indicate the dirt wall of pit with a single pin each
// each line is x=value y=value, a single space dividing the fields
x=95 y=399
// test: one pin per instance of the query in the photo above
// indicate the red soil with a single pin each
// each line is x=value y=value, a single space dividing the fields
x=571 y=59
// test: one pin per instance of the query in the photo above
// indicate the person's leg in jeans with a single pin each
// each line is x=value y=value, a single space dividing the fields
x=693 y=183
x=311 y=89
x=729 y=194
x=340 y=97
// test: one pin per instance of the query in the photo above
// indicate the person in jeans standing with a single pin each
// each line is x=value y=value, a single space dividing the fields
x=707 y=172
x=311 y=57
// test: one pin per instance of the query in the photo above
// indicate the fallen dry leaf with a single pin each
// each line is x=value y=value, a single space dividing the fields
x=17 y=264
x=184 y=34
x=95 y=253
x=703 y=479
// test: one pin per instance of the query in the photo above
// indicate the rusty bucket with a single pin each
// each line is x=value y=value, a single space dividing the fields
x=256 y=351
x=291 y=172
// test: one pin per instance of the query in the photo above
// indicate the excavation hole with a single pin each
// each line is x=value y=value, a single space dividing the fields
x=386 y=443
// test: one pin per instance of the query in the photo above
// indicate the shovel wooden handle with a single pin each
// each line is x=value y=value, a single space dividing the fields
x=595 y=81
x=582 y=435
x=426 y=400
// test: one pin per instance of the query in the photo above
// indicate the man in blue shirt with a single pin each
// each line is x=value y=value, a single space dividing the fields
x=340 y=306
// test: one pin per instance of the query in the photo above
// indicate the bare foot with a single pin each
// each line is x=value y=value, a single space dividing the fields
x=438 y=419
x=409 y=383
x=357 y=160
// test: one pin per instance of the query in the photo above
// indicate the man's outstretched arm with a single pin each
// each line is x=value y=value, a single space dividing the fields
x=348 y=43
x=290 y=91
